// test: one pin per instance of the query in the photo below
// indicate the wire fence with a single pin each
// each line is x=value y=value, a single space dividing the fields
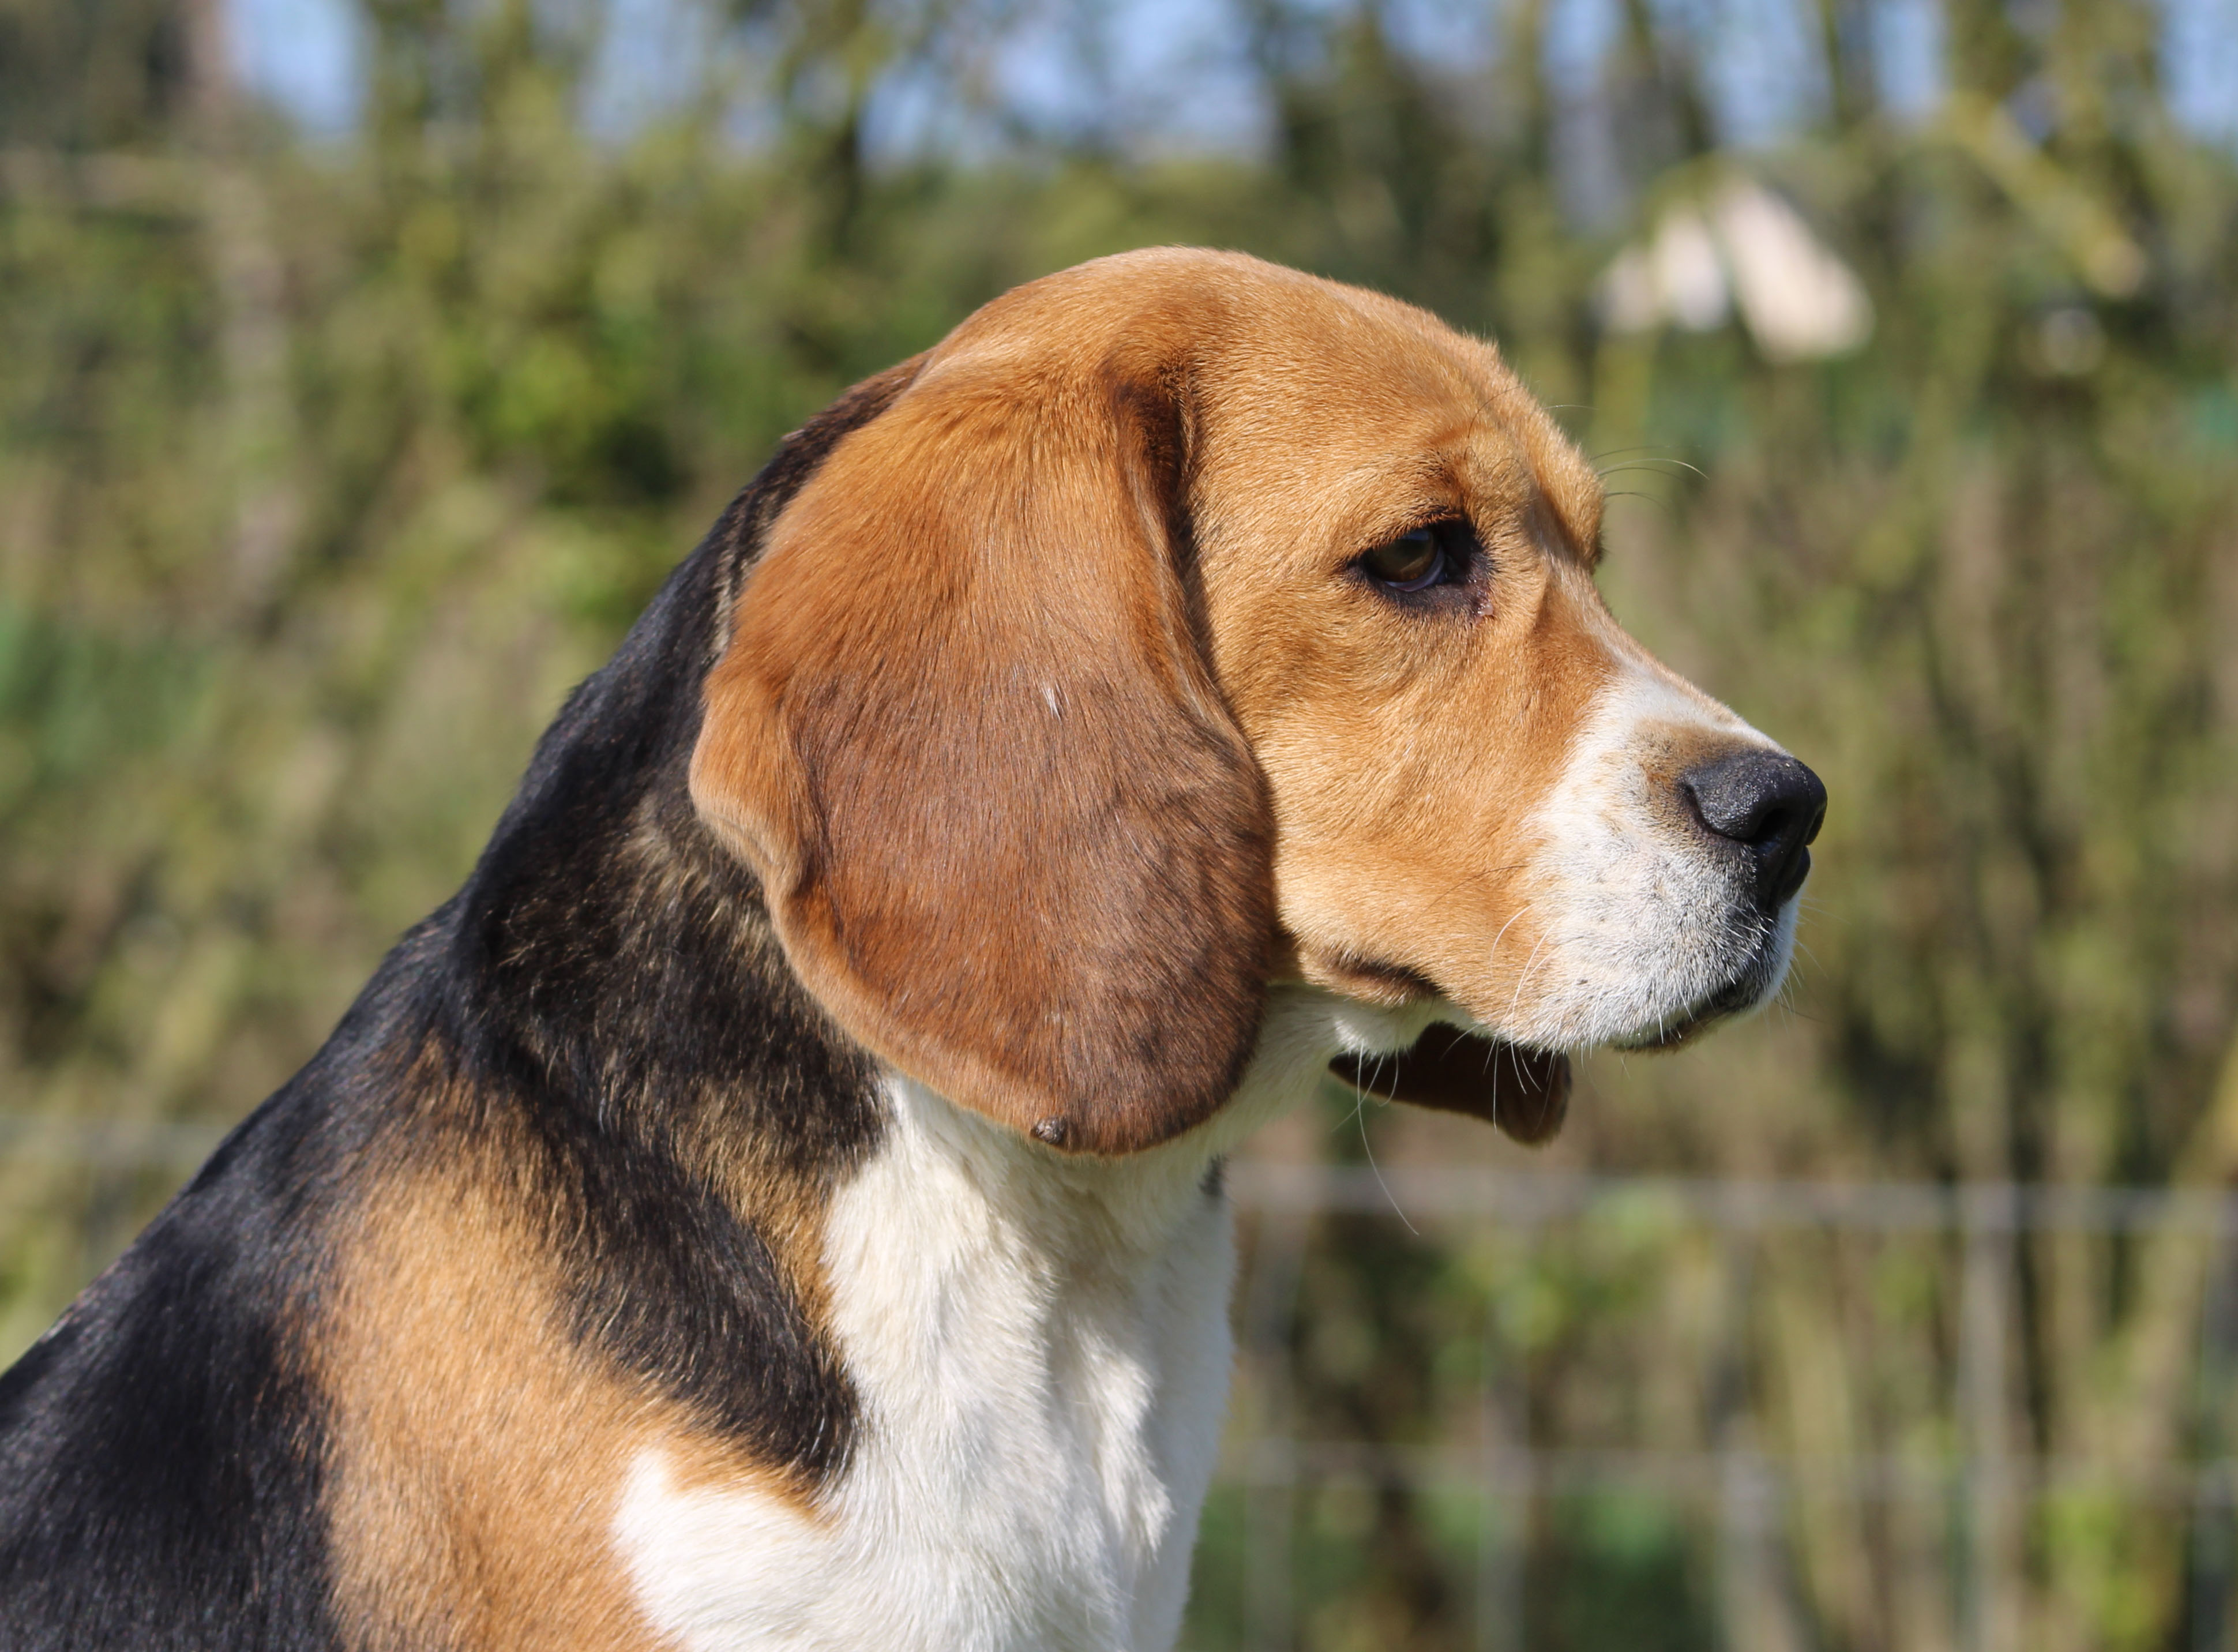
x=1743 y=1497
x=1746 y=1500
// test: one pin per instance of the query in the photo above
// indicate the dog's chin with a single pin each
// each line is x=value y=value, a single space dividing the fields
x=1692 y=1024
x=1750 y=988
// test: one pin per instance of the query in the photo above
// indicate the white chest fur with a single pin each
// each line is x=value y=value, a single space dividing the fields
x=1041 y=1352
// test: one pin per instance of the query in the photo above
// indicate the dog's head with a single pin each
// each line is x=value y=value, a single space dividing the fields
x=1179 y=624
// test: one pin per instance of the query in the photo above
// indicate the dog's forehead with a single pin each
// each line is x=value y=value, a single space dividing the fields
x=1365 y=415
x=1308 y=395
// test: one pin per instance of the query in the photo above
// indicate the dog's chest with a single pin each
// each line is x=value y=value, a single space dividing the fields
x=1041 y=1371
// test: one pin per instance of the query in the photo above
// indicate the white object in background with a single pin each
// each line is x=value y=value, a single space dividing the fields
x=1799 y=300
x=1676 y=277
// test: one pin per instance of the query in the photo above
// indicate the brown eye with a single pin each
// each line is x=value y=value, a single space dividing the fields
x=1415 y=561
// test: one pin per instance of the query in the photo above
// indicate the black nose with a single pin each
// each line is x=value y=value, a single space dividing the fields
x=1769 y=803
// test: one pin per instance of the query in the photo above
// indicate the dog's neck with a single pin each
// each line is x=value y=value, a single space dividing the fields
x=1038 y=1348
x=1080 y=1206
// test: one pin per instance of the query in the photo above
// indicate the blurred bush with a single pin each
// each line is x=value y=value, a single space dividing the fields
x=325 y=468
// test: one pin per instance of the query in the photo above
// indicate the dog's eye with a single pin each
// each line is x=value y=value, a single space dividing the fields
x=1417 y=560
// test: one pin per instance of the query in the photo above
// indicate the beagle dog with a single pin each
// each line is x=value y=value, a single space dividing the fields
x=778 y=1202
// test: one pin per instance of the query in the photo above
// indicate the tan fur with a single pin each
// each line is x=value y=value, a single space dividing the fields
x=1404 y=755
x=479 y=1447
x=1400 y=754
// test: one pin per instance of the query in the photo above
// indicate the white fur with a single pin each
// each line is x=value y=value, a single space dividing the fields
x=1041 y=1349
x=1642 y=928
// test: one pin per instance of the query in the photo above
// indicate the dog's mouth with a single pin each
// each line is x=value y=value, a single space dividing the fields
x=1754 y=983
x=1525 y=1091
x=1694 y=1023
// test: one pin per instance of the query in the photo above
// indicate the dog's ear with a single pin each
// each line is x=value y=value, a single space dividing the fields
x=1525 y=1092
x=965 y=731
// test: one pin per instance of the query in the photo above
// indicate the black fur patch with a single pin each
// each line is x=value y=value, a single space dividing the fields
x=604 y=987
x=617 y=974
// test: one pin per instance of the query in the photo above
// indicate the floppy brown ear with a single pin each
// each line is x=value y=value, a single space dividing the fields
x=1525 y=1092
x=964 y=732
